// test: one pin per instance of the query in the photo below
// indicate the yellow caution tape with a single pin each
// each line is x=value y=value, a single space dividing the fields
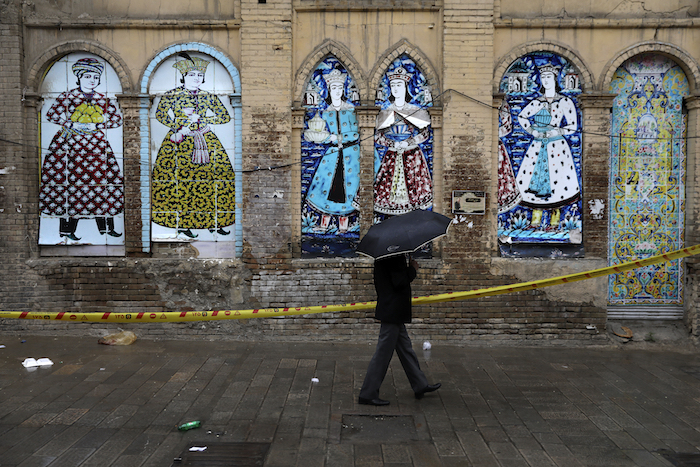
x=177 y=316
x=579 y=276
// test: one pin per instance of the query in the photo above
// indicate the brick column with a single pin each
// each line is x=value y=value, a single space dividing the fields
x=692 y=214
x=595 y=110
x=27 y=195
x=295 y=173
x=466 y=137
x=19 y=166
x=692 y=201
x=130 y=107
x=266 y=62
x=367 y=117
x=18 y=151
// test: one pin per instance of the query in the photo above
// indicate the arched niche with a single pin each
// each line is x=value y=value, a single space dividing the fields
x=201 y=127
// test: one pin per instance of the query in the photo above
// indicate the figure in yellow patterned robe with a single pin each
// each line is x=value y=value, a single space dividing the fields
x=193 y=179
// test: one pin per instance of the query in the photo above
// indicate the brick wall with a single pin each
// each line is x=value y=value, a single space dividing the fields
x=132 y=173
x=692 y=296
x=269 y=272
x=149 y=285
x=18 y=183
x=468 y=159
x=267 y=121
x=596 y=111
x=692 y=209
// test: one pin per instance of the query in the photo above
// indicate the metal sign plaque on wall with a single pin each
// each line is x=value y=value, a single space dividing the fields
x=468 y=202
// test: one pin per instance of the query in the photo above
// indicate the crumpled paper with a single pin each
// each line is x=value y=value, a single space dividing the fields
x=120 y=338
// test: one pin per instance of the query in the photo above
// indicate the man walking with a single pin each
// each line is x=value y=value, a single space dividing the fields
x=392 y=281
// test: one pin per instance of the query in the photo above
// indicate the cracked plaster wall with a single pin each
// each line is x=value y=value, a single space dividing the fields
x=600 y=9
x=132 y=9
x=591 y=291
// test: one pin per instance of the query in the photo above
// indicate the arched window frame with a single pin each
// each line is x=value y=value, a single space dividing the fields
x=145 y=154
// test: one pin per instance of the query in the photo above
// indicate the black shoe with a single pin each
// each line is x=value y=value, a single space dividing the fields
x=220 y=231
x=377 y=401
x=70 y=236
x=111 y=233
x=187 y=233
x=428 y=388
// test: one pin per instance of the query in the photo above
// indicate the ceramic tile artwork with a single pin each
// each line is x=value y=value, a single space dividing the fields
x=403 y=135
x=330 y=163
x=647 y=179
x=403 y=143
x=81 y=195
x=192 y=131
x=539 y=159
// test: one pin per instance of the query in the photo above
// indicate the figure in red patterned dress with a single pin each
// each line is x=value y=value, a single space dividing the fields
x=508 y=193
x=80 y=176
x=403 y=182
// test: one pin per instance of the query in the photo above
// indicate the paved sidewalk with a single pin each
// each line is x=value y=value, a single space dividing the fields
x=506 y=406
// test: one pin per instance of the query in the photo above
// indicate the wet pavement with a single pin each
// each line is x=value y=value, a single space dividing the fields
x=498 y=406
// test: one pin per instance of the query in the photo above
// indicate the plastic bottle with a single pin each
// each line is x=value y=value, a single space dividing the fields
x=189 y=425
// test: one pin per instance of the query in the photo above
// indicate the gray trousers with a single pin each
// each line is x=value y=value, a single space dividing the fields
x=392 y=337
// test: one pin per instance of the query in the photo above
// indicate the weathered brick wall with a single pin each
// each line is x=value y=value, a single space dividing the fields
x=11 y=114
x=462 y=51
x=267 y=121
x=468 y=160
x=692 y=297
x=596 y=111
x=132 y=173
x=150 y=286
x=18 y=182
x=692 y=209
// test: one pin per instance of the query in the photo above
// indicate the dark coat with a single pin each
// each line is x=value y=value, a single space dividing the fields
x=392 y=281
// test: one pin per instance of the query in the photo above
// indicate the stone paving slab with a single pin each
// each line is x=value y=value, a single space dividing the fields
x=498 y=406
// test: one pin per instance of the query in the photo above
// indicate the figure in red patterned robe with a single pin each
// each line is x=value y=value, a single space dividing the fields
x=403 y=182
x=80 y=176
x=508 y=193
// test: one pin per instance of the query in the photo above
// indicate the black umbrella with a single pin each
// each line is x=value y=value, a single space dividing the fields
x=403 y=234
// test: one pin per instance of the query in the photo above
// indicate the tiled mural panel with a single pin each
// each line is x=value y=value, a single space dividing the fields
x=539 y=159
x=403 y=155
x=330 y=163
x=403 y=136
x=81 y=197
x=192 y=131
x=647 y=179
x=403 y=143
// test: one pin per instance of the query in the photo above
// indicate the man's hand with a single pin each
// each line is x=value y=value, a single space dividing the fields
x=415 y=264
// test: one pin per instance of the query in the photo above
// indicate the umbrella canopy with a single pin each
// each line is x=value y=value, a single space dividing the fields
x=403 y=234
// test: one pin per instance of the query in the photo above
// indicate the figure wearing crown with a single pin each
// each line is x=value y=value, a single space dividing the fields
x=80 y=175
x=193 y=180
x=403 y=181
x=333 y=189
x=547 y=178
